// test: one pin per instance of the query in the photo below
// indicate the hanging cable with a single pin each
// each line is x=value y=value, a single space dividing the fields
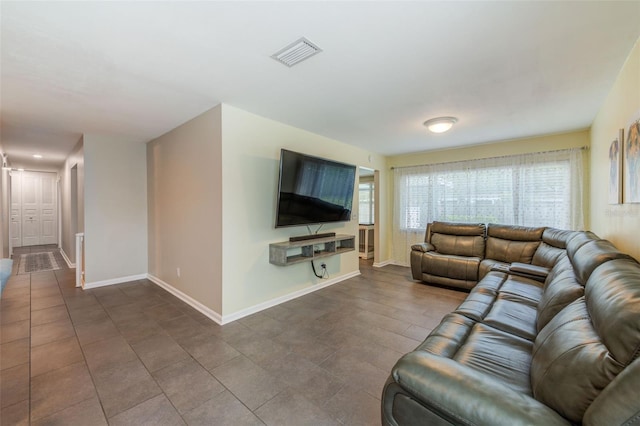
x=314 y=270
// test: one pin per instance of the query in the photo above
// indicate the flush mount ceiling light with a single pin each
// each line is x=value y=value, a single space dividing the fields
x=440 y=124
x=296 y=52
x=37 y=156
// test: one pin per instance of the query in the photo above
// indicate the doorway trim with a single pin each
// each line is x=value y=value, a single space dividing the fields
x=376 y=212
x=56 y=194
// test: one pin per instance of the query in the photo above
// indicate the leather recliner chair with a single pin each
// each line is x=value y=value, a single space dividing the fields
x=450 y=255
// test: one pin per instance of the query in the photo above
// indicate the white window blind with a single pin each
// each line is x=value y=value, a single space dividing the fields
x=541 y=189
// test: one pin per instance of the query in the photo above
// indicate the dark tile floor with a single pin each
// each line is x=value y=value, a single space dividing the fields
x=133 y=354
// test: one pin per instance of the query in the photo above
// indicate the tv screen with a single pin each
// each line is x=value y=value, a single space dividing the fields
x=313 y=190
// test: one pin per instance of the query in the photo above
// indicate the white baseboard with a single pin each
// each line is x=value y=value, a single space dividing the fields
x=113 y=281
x=384 y=263
x=278 y=300
x=66 y=259
x=225 y=319
x=210 y=313
x=213 y=315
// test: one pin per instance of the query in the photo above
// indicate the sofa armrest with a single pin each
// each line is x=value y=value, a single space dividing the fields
x=423 y=247
x=462 y=395
x=535 y=272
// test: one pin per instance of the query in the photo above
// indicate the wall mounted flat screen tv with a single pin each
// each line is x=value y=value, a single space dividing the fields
x=313 y=190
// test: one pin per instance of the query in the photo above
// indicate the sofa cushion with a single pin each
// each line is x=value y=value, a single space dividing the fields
x=459 y=245
x=504 y=356
x=450 y=228
x=547 y=255
x=591 y=255
x=510 y=315
x=510 y=243
x=614 y=308
x=560 y=289
x=459 y=239
x=570 y=363
x=617 y=404
x=482 y=348
x=525 y=290
x=450 y=266
x=558 y=238
x=511 y=251
x=584 y=347
x=578 y=240
x=448 y=336
x=478 y=303
x=514 y=232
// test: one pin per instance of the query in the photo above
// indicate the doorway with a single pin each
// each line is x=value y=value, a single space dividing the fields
x=367 y=213
x=74 y=209
x=34 y=208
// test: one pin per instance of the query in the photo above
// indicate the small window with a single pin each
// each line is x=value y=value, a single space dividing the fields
x=366 y=203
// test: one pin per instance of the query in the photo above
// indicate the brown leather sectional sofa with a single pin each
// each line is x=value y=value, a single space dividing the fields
x=555 y=341
x=460 y=254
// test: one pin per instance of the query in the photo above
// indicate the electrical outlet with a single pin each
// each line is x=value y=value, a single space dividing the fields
x=323 y=265
x=178 y=272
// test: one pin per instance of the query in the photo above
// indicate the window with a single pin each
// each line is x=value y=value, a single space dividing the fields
x=543 y=189
x=366 y=203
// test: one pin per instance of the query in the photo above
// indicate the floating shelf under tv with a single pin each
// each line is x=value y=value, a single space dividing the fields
x=288 y=253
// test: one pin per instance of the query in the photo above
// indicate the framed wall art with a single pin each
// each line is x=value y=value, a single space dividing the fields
x=631 y=155
x=615 y=169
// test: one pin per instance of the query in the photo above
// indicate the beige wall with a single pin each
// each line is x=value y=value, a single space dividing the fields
x=185 y=208
x=251 y=154
x=115 y=209
x=67 y=234
x=618 y=223
x=212 y=191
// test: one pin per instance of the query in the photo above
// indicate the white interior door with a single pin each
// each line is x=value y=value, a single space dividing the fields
x=48 y=209
x=36 y=209
x=16 y=211
x=30 y=209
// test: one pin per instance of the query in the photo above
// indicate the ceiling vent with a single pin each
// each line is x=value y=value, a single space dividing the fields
x=296 y=52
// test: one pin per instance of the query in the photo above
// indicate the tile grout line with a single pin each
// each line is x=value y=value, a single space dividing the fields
x=149 y=372
x=84 y=358
x=31 y=347
x=30 y=335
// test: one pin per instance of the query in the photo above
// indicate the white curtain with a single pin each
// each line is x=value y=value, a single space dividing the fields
x=540 y=189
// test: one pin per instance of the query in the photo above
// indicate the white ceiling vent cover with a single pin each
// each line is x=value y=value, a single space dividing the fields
x=296 y=52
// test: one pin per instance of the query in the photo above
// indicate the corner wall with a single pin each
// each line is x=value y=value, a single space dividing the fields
x=115 y=210
x=184 y=169
x=67 y=234
x=618 y=223
x=212 y=186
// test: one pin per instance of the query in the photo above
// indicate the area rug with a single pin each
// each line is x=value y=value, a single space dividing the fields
x=37 y=262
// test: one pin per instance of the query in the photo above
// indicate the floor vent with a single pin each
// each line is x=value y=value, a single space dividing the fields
x=296 y=52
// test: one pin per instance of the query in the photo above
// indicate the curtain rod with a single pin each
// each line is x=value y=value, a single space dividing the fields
x=584 y=148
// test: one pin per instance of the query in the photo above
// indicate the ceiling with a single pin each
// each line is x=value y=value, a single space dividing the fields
x=138 y=69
